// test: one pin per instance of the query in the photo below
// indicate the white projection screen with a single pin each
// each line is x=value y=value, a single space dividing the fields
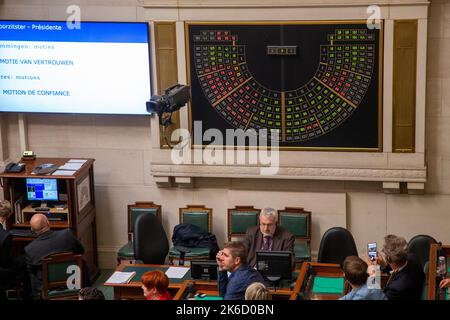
x=98 y=68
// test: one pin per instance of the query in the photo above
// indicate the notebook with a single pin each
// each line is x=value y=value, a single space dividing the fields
x=120 y=277
x=328 y=285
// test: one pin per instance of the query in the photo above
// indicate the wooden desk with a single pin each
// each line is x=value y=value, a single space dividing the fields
x=177 y=287
x=76 y=192
x=433 y=286
x=305 y=280
x=210 y=288
x=207 y=287
x=133 y=289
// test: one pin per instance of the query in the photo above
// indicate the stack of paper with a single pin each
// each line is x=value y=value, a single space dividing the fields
x=176 y=272
x=63 y=172
x=70 y=167
x=120 y=277
x=82 y=161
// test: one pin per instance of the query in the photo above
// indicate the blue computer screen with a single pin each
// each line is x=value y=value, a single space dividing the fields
x=42 y=189
x=53 y=66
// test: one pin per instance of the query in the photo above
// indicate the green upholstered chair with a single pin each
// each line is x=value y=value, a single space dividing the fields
x=298 y=222
x=55 y=275
x=126 y=252
x=200 y=216
x=240 y=219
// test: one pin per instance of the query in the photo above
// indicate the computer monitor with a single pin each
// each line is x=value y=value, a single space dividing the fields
x=204 y=269
x=274 y=265
x=42 y=189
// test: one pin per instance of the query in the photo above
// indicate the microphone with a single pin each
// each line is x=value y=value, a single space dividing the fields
x=190 y=291
x=183 y=251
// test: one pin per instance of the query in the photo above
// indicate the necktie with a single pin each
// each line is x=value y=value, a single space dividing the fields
x=266 y=243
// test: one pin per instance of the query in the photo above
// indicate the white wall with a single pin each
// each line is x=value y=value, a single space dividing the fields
x=122 y=148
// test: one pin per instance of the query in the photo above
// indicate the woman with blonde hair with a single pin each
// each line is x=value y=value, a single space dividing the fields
x=257 y=291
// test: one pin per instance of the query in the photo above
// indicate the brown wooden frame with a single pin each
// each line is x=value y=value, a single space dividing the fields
x=54 y=259
x=238 y=208
x=143 y=205
x=298 y=210
x=432 y=267
x=194 y=208
x=320 y=269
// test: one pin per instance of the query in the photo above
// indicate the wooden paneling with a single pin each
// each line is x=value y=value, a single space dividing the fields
x=404 y=85
x=166 y=67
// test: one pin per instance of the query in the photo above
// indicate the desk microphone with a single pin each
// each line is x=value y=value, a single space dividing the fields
x=183 y=251
x=190 y=291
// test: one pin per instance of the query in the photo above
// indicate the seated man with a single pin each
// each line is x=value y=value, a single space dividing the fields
x=6 y=273
x=406 y=275
x=5 y=236
x=355 y=272
x=233 y=259
x=48 y=242
x=268 y=236
x=12 y=269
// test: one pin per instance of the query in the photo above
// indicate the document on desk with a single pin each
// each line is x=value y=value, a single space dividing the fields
x=120 y=277
x=176 y=272
x=64 y=173
x=77 y=161
x=71 y=166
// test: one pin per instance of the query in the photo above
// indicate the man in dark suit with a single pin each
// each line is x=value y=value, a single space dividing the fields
x=48 y=242
x=406 y=275
x=6 y=273
x=268 y=236
x=12 y=269
x=234 y=274
x=5 y=236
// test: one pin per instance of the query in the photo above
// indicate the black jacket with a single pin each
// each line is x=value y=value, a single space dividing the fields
x=192 y=236
x=6 y=274
x=406 y=284
x=5 y=248
x=48 y=243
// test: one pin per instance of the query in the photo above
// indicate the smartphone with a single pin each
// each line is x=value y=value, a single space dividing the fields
x=372 y=250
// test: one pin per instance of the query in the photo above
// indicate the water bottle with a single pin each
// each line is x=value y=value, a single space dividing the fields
x=442 y=267
x=441 y=273
x=374 y=279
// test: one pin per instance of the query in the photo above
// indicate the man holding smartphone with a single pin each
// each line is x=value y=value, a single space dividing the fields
x=374 y=281
x=372 y=251
x=406 y=275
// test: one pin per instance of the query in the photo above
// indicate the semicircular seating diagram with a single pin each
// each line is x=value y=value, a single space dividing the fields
x=329 y=98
